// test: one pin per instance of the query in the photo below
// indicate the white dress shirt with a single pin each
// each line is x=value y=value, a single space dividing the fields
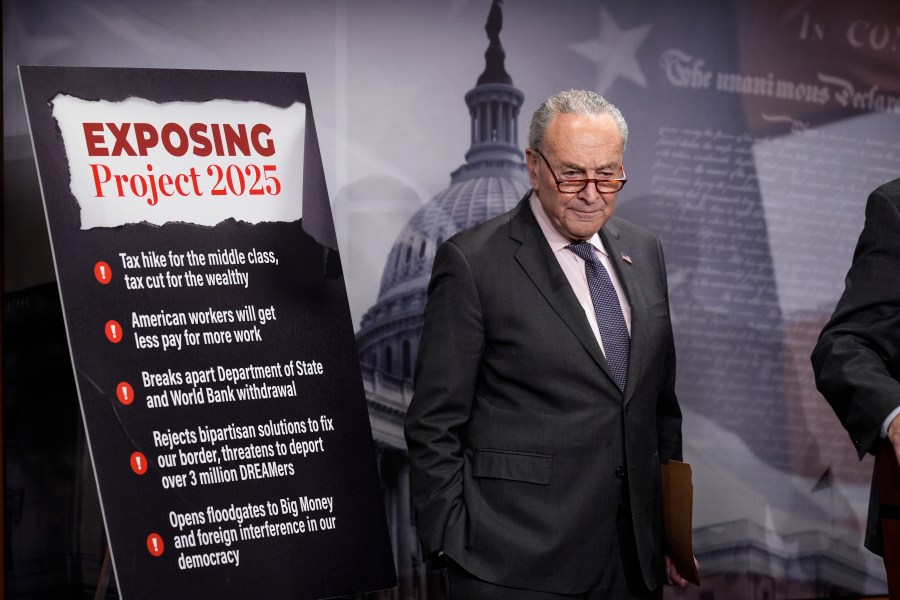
x=573 y=267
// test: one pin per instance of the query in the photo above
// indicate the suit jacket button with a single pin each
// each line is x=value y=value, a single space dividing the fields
x=620 y=471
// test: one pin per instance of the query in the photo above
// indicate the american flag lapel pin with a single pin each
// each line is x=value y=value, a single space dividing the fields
x=626 y=258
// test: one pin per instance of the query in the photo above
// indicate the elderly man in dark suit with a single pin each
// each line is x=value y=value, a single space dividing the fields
x=545 y=385
x=857 y=358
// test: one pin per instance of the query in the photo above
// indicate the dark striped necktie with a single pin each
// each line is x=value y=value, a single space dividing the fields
x=610 y=320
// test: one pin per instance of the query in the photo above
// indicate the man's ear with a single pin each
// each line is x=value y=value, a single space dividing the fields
x=532 y=159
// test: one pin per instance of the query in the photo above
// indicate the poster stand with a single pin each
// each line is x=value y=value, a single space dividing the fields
x=213 y=350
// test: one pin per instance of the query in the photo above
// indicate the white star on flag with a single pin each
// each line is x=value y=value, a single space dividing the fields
x=613 y=51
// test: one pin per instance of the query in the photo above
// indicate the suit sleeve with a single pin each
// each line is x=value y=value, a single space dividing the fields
x=668 y=411
x=857 y=358
x=446 y=375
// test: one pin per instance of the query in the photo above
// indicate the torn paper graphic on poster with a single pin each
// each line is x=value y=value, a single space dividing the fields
x=192 y=162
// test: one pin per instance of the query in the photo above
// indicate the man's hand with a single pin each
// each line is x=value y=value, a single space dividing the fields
x=673 y=577
x=894 y=436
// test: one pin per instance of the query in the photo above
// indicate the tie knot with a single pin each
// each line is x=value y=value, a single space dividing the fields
x=585 y=250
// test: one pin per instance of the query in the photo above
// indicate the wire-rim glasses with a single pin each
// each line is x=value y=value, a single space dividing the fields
x=574 y=186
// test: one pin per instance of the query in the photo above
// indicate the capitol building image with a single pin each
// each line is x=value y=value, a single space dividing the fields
x=491 y=181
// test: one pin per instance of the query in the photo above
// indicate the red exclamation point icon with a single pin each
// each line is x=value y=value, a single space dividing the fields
x=139 y=463
x=155 y=544
x=113 y=331
x=102 y=272
x=125 y=393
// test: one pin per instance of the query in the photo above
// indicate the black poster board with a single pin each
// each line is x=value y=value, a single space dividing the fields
x=210 y=333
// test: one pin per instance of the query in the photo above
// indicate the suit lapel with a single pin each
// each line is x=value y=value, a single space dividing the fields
x=538 y=262
x=618 y=248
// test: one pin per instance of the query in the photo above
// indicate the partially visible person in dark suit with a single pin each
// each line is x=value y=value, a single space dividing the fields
x=545 y=383
x=857 y=358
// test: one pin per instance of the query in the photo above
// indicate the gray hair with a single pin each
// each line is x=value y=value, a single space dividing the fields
x=577 y=102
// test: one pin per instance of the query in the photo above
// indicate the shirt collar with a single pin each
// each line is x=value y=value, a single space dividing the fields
x=557 y=240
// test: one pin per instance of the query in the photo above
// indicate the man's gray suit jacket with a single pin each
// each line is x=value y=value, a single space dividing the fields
x=518 y=437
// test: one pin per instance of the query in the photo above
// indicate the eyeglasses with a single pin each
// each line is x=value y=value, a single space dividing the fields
x=574 y=186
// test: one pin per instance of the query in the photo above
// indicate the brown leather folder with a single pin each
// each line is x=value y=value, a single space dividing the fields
x=678 y=510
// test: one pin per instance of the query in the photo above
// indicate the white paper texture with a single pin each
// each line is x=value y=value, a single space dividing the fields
x=199 y=175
